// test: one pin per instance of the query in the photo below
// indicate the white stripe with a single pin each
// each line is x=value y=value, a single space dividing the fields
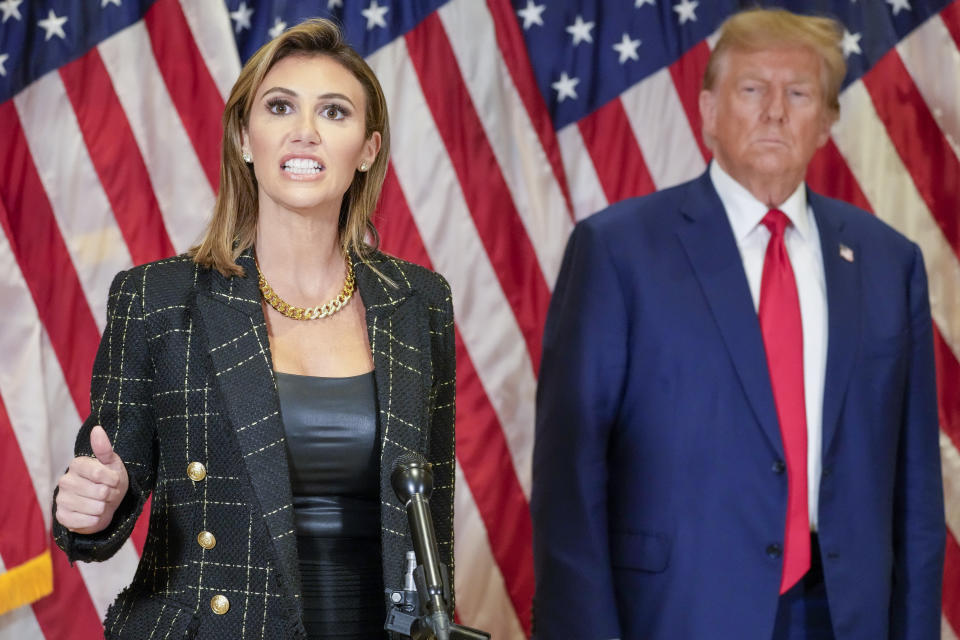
x=585 y=188
x=485 y=318
x=950 y=459
x=662 y=130
x=482 y=598
x=76 y=196
x=20 y=623
x=44 y=419
x=863 y=141
x=178 y=179
x=210 y=24
x=931 y=57
x=946 y=633
x=509 y=130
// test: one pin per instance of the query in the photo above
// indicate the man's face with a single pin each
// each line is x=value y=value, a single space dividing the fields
x=766 y=115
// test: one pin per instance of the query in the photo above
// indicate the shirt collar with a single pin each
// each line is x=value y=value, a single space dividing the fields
x=745 y=212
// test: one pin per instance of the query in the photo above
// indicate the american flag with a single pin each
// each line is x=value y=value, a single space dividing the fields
x=511 y=120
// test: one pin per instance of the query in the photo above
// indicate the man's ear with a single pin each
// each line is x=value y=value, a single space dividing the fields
x=708 y=112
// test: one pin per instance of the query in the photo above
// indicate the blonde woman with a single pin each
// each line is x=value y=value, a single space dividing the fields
x=262 y=386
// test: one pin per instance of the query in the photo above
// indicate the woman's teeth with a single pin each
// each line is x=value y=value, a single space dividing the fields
x=302 y=166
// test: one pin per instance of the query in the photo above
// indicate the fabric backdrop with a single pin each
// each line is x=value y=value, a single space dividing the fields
x=511 y=120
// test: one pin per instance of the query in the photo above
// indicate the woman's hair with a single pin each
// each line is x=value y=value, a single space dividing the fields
x=233 y=227
x=759 y=29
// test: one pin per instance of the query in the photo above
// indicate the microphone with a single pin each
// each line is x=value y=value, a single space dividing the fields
x=412 y=480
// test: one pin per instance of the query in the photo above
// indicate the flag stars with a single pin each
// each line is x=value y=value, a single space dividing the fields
x=11 y=8
x=334 y=4
x=850 y=43
x=686 y=10
x=532 y=14
x=53 y=25
x=241 y=17
x=3 y=61
x=104 y=3
x=278 y=27
x=627 y=48
x=897 y=5
x=374 y=15
x=580 y=31
x=640 y=3
x=566 y=87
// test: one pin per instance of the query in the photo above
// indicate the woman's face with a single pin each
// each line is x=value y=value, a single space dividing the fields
x=306 y=134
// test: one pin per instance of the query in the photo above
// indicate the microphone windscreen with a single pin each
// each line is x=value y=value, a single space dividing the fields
x=409 y=459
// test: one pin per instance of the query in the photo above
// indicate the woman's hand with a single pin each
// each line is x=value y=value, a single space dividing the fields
x=92 y=488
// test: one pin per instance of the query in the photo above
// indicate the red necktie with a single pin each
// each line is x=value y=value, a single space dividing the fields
x=783 y=340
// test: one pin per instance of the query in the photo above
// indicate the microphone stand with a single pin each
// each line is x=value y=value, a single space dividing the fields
x=419 y=611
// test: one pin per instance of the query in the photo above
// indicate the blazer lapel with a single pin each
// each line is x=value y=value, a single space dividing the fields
x=233 y=325
x=399 y=332
x=712 y=250
x=841 y=268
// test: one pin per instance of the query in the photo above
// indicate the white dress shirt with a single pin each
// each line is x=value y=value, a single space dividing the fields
x=745 y=213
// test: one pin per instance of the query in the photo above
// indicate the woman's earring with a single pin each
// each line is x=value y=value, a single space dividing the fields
x=363 y=166
x=247 y=157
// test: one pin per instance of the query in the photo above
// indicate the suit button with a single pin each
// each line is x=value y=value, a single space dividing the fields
x=219 y=604
x=774 y=551
x=778 y=467
x=196 y=471
x=206 y=540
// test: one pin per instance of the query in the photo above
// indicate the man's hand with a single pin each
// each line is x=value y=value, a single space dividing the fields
x=92 y=488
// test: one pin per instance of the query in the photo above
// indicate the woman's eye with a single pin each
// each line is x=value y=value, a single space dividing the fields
x=278 y=107
x=334 y=112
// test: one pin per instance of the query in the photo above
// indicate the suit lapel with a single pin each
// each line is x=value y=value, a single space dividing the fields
x=841 y=268
x=713 y=253
x=235 y=332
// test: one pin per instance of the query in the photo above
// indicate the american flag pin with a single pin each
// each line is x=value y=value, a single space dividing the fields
x=846 y=253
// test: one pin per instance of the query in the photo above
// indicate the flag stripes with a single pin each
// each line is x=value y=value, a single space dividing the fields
x=480 y=186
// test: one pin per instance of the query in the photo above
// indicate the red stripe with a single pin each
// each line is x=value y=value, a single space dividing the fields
x=116 y=158
x=68 y=612
x=482 y=449
x=514 y=50
x=22 y=532
x=191 y=87
x=23 y=536
x=829 y=174
x=951 y=18
x=687 y=75
x=919 y=141
x=28 y=220
x=494 y=213
x=951 y=583
x=948 y=387
x=615 y=152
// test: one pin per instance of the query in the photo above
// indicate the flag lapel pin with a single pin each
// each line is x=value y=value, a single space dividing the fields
x=846 y=253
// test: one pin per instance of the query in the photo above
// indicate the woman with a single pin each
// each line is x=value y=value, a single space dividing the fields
x=266 y=430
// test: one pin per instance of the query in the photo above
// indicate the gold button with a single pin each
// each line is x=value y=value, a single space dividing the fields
x=196 y=471
x=206 y=540
x=219 y=604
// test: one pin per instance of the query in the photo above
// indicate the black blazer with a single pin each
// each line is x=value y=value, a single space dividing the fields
x=183 y=374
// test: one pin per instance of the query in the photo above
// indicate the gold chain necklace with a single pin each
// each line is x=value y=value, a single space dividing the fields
x=308 y=313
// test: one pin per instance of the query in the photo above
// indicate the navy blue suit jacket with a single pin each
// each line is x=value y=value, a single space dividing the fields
x=657 y=488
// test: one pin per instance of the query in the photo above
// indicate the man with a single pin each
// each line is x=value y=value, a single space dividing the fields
x=736 y=420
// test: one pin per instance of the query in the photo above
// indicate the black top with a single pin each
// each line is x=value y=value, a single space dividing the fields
x=334 y=452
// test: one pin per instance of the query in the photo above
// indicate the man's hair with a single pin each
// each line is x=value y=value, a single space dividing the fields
x=759 y=29
x=233 y=227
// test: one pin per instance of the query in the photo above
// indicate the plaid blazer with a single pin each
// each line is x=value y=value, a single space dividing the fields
x=183 y=374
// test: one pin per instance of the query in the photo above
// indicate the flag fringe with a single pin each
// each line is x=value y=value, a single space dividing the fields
x=26 y=583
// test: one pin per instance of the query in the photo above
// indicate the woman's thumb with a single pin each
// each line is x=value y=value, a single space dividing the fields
x=100 y=443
